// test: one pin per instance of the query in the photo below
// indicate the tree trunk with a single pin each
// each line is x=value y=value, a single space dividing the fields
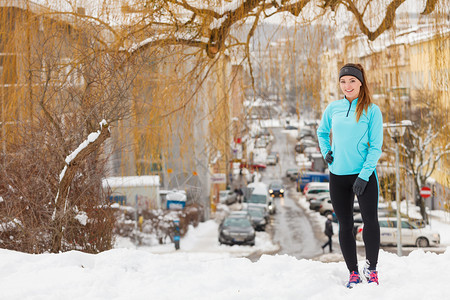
x=64 y=186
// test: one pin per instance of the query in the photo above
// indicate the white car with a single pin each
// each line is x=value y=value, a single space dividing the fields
x=315 y=189
x=227 y=197
x=314 y=184
x=326 y=207
x=271 y=160
x=412 y=235
x=316 y=202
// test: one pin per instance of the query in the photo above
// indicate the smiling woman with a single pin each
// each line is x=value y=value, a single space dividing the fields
x=357 y=127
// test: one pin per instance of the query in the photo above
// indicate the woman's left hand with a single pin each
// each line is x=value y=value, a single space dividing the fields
x=359 y=186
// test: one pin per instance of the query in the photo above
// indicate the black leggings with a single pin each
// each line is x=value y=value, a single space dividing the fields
x=342 y=198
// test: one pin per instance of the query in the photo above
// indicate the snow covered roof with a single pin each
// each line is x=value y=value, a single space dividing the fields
x=411 y=36
x=130 y=181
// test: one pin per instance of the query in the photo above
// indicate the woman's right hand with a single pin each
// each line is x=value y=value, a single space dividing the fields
x=329 y=158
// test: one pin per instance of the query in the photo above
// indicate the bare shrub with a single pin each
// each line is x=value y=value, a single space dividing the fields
x=29 y=179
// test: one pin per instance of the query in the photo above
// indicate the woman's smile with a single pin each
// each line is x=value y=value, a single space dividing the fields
x=350 y=86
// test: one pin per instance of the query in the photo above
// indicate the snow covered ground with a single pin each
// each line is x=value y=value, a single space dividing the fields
x=202 y=269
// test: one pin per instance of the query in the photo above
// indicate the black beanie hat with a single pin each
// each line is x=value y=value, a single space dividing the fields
x=351 y=71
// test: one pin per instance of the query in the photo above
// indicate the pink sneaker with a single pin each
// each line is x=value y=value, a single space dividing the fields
x=354 y=280
x=373 y=277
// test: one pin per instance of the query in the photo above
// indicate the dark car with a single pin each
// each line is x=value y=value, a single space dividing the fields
x=258 y=218
x=236 y=231
x=276 y=189
x=306 y=132
x=263 y=210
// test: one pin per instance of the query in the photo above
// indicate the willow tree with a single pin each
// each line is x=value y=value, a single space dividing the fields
x=59 y=81
x=65 y=69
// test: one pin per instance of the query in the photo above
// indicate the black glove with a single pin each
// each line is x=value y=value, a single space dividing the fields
x=359 y=186
x=329 y=158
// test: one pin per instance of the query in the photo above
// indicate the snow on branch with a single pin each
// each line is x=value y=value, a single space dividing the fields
x=93 y=142
x=72 y=161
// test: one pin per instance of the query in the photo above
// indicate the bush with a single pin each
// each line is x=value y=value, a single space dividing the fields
x=157 y=226
x=29 y=178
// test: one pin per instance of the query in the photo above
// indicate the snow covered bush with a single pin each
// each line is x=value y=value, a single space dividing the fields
x=29 y=182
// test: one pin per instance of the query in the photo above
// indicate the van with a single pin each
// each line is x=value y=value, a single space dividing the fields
x=259 y=195
x=307 y=177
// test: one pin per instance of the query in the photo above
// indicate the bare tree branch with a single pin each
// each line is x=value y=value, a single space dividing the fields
x=429 y=7
x=387 y=22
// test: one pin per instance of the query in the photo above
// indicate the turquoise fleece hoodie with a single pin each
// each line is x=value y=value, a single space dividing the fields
x=356 y=146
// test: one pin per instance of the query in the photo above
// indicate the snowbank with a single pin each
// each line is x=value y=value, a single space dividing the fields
x=136 y=274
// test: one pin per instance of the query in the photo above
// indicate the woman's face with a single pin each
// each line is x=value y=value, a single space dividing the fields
x=350 y=86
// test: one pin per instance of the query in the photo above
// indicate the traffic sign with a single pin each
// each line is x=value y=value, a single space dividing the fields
x=425 y=192
x=218 y=178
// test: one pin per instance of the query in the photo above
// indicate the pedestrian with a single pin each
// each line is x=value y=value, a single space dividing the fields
x=328 y=232
x=240 y=194
x=350 y=138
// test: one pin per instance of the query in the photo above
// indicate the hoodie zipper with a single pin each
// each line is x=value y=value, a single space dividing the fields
x=349 y=106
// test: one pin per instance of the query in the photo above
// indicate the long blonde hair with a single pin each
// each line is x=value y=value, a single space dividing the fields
x=364 y=97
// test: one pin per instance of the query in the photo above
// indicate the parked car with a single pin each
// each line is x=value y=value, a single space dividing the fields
x=306 y=132
x=264 y=210
x=258 y=218
x=316 y=202
x=292 y=173
x=227 y=197
x=277 y=155
x=276 y=189
x=254 y=166
x=262 y=132
x=311 y=150
x=271 y=160
x=261 y=143
x=356 y=208
x=318 y=163
x=303 y=144
x=326 y=207
x=306 y=177
x=236 y=231
x=240 y=214
x=412 y=235
x=385 y=213
x=303 y=163
x=315 y=189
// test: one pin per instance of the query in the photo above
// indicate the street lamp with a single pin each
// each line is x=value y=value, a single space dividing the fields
x=395 y=131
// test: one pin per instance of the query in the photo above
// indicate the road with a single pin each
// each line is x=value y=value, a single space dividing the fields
x=291 y=228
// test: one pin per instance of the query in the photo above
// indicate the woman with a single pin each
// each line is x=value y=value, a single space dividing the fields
x=352 y=152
